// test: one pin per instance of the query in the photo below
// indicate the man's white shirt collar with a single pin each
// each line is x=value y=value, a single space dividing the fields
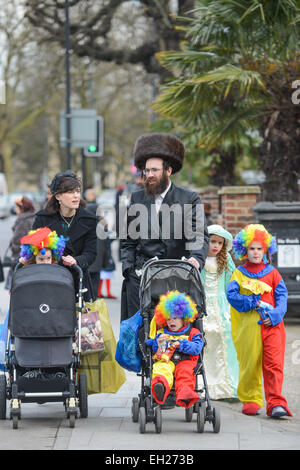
x=159 y=199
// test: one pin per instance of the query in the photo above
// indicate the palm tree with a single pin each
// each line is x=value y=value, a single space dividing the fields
x=234 y=76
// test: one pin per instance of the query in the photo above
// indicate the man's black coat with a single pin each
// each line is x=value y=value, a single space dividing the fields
x=149 y=238
x=135 y=252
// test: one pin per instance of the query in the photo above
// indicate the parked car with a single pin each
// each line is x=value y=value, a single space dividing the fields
x=4 y=207
x=3 y=185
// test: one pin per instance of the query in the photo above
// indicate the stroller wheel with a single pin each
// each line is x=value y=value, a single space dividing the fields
x=2 y=397
x=200 y=419
x=15 y=420
x=72 y=418
x=216 y=420
x=142 y=420
x=189 y=414
x=158 y=419
x=83 y=397
x=135 y=410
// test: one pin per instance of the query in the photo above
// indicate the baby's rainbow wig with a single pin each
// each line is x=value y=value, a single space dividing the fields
x=253 y=233
x=52 y=242
x=174 y=304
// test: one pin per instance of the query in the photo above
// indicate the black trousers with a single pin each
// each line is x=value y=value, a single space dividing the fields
x=130 y=301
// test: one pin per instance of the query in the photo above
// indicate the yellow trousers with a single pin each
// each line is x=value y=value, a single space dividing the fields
x=166 y=369
x=246 y=335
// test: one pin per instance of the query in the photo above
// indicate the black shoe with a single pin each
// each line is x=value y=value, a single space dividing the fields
x=186 y=401
x=159 y=391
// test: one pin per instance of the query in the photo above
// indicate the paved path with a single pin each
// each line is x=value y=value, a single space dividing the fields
x=109 y=426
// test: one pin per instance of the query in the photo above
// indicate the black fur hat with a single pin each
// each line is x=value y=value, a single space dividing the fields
x=156 y=145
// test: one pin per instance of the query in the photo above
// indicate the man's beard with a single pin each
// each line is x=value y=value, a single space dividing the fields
x=157 y=188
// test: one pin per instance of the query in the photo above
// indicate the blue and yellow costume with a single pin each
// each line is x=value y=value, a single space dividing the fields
x=260 y=348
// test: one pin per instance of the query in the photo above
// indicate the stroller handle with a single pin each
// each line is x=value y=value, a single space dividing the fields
x=169 y=262
x=75 y=267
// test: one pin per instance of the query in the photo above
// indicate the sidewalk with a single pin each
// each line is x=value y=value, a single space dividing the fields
x=109 y=425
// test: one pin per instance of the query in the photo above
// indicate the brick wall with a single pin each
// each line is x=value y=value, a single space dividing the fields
x=231 y=206
x=236 y=206
x=209 y=195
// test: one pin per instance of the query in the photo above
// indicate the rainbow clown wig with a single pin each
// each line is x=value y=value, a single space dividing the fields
x=253 y=233
x=41 y=239
x=174 y=304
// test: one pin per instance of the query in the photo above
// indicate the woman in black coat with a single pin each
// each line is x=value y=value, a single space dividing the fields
x=65 y=213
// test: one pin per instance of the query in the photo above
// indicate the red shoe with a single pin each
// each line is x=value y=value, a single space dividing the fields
x=110 y=296
x=250 y=408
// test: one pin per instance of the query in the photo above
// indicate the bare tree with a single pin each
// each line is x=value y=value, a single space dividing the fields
x=98 y=28
x=18 y=113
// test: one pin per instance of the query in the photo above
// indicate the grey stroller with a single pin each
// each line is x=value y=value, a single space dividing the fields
x=42 y=357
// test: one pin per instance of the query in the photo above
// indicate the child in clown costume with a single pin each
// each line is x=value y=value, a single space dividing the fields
x=41 y=246
x=172 y=336
x=258 y=298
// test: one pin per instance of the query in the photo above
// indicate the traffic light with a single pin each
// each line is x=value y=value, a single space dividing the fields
x=92 y=148
x=97 y=149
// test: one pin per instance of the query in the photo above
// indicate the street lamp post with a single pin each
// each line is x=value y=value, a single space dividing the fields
x=68 y=87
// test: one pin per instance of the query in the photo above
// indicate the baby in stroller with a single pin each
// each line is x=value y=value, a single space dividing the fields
x=42 y=358
x=41 y=246
x=177 y=346
x=172 y=302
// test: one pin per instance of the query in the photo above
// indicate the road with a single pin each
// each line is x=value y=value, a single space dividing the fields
x=109 y=426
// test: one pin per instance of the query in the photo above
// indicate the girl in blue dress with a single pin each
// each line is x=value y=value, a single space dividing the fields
x=221 y=363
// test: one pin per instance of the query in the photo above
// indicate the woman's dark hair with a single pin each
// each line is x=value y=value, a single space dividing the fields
x=62 y=183
x=25 y=204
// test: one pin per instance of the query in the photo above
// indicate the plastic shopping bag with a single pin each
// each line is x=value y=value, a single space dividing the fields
x=91 y=332
x=3 y=338
x=104 y=374
x=128 y=354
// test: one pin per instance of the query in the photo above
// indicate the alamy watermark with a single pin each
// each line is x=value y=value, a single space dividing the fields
x=296 y=94
x=2 y=92
x=176 y=222
x=296 y=353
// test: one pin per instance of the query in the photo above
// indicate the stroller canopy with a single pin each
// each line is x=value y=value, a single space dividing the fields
x=162 y=276
x=42 y=302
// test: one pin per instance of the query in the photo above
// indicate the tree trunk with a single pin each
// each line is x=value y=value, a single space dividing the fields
x=6 y=154
x=223 y=169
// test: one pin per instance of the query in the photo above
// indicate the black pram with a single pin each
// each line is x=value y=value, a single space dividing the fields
x=42 y=357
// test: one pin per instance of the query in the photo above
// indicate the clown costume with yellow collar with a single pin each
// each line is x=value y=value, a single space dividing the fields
x=176 y=346
x=260 y=343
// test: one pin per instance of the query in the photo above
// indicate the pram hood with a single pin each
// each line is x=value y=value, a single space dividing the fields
x=162 y=276
x=42 y=303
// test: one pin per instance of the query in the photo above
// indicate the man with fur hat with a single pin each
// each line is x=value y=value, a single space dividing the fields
x=163 y=219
